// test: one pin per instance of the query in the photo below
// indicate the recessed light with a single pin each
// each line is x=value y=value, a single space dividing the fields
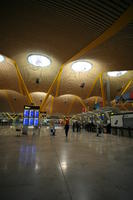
x=1 y=58
x=81 y=66
x=116 y=73
x=39 y=60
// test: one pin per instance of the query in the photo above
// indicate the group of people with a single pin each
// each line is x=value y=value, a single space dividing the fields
x=76 y=126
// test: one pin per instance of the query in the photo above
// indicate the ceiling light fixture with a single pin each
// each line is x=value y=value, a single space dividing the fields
x=81 y=66
x=116 y=73
x=39 y=60
x=1 y=58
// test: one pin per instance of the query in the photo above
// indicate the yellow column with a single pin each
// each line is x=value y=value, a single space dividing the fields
x=93 y=85
x=21 y=82
x=56 y=94
x=102 y=89
x=96 y=99
x=126 y=87
x=51 y=87
x=124 y=19
x=51 y=107
x=58 y=84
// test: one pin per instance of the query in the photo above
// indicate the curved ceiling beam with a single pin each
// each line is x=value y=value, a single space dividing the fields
x=116 y=27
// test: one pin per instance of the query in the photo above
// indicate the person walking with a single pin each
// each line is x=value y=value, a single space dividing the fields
x=77 y=126
x=66 y=126
x=52 y=127
x=74 y=126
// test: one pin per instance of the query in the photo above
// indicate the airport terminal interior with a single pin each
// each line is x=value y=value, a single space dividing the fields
x=66 y=100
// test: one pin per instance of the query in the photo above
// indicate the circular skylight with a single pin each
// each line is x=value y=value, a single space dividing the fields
x=81 y=66
x=39 y=60
x=1 y=58
x=116 y=73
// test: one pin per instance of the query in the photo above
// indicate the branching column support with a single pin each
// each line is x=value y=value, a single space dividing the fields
x=102 y=89
x=58 y=84
x=22 y=84
x=96 y=100
x=126 y=87
x=51 y=107
x=44 y=108
x=93 y=85
x=124 y=19
x=51 y=87
x=56 y=94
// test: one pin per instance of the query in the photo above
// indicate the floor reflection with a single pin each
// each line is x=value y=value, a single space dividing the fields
x=27 y=155
x=64 y=165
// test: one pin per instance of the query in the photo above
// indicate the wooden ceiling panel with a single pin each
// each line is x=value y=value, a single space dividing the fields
x=60 y=29
x=116 y=53
x=8 y=75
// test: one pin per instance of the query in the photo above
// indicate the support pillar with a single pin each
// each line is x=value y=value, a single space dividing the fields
x=108 y=91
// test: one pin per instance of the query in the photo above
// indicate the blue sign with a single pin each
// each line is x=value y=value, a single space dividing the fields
x=31 y=121
x=26 y=122
x=36 y=121
x=26 y=113
x=31 y=113
x=36 y=114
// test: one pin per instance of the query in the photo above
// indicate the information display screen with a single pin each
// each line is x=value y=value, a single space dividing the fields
x=36 y=115
x=31 y=121
x=31 y=116
x=31 y=113
x=36 y=121
x=26 y=121
x=26 y=113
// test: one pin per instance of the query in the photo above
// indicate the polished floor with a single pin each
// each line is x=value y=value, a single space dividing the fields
x=83 y=167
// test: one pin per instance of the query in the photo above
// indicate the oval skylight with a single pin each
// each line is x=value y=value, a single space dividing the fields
x=1 y=58
x=39 y=60
x=116 y=73
x=81 y=66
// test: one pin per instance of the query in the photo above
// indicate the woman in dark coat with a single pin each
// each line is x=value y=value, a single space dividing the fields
x=66 y=126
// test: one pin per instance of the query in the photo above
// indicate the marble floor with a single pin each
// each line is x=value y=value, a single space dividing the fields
x=82 y=167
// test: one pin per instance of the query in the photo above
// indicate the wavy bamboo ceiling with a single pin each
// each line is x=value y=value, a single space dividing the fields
x=60 y=29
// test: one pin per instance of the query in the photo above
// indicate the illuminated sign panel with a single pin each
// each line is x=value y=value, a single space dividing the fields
x=25 y=121
x=31 y=116
x=26 y=113
x=31 y=113
x=31 y=121
x=36 y=115
x=36 y=121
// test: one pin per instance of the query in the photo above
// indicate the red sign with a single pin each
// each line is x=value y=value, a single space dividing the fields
x=131 y=95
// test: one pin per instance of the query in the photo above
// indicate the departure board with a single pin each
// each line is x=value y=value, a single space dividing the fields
x=31 y=116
